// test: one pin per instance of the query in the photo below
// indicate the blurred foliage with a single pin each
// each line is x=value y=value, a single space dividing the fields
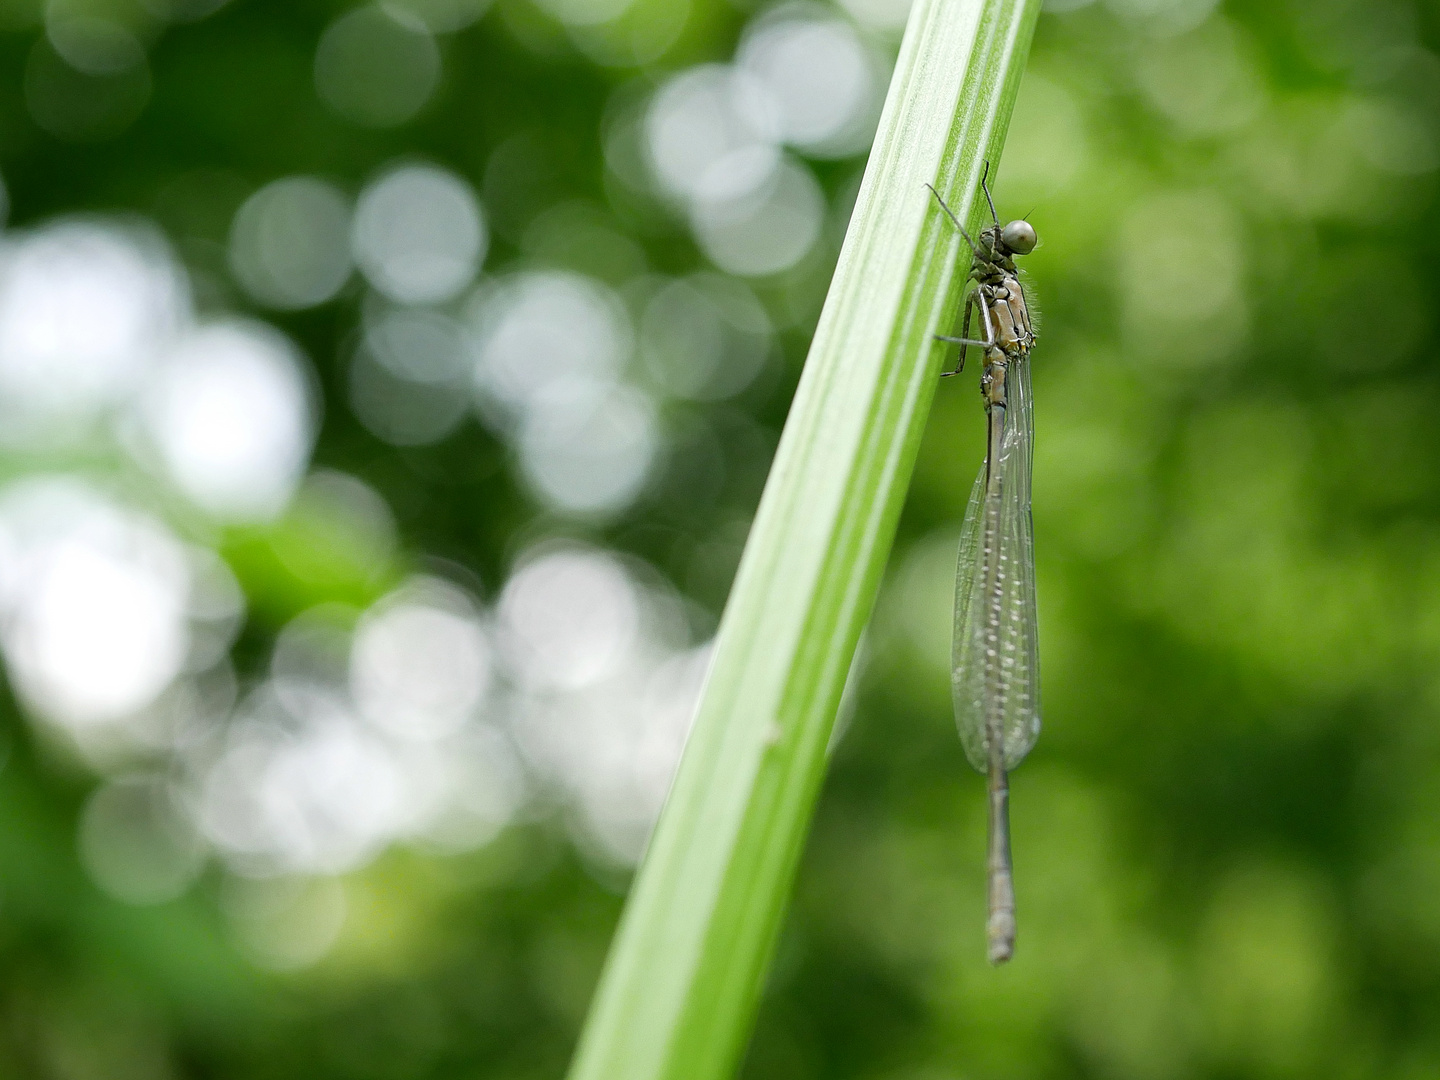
x=1226 y=840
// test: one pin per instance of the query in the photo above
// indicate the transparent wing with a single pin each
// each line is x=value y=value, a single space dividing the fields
x=1004 y=677
x=966 y=677
x=1017 y=531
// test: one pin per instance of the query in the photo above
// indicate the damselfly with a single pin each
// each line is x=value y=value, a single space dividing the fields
x=995 y=674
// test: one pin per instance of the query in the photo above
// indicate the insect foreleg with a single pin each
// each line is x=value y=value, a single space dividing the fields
x=986 y=189
x=951 y=215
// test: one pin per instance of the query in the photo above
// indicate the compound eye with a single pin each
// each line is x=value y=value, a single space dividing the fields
x=1019 y=237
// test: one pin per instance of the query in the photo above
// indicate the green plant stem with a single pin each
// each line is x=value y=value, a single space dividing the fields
x=680 y=986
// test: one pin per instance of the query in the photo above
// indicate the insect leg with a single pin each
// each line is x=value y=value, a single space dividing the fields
x=983 y=303
x=965 y=340
x=951 y=215
x=986 y=189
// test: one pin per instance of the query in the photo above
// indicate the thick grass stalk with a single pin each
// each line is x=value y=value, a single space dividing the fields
x=680 y=986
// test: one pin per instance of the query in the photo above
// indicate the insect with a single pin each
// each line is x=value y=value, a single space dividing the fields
x=994 y=666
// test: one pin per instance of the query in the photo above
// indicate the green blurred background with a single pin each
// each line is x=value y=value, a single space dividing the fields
x=384 y=396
